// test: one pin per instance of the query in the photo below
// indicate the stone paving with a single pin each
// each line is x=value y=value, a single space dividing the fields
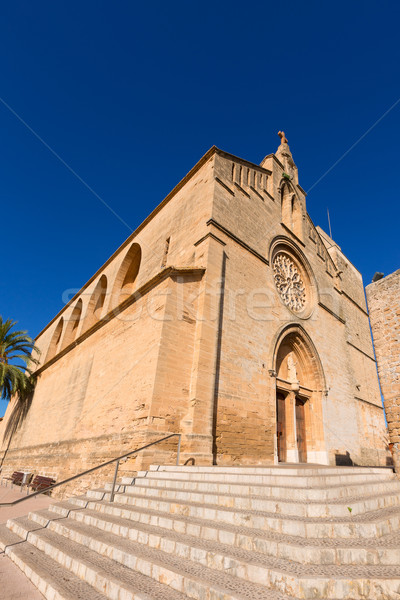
x=8 y=494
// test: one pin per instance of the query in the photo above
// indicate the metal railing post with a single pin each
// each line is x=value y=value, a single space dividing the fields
x=179 y=450
x=114 y=482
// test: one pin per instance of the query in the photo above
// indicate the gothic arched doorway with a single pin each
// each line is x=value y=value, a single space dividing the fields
x=299 y=393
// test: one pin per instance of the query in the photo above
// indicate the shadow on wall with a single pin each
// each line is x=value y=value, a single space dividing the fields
x=16 y=419
x=344 y=460
x=389 y=459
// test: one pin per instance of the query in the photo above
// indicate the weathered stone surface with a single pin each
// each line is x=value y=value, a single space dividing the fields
x=186 y=329
x=384 y=306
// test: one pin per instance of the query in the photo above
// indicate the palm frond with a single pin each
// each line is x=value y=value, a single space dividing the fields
x=16 y=379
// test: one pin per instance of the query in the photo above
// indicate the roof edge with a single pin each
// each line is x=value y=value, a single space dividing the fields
x=134 y=233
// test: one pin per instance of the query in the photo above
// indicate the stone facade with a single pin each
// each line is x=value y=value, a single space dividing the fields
x=384 y=305
x=228 y=317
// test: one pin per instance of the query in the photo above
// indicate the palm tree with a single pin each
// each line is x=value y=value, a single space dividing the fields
x=16 y=349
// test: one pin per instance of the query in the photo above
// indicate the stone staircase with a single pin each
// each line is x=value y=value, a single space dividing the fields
x=219 y=533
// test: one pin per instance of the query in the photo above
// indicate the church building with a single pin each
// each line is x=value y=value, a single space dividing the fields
x=228 y=317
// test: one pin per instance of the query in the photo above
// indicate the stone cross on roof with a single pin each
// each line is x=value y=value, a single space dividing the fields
x=283 y=137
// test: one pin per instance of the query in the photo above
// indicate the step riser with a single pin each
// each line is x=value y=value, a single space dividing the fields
x=273 y=479
x=276 y=523
x=300 y=554
x=270 y=578
x=298 y=509
x=74 y=503
x=40 y=520
x=20 y=530
x=284 y=493
x=309 y=471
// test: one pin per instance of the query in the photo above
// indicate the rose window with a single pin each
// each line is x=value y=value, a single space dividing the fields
x=288 y=282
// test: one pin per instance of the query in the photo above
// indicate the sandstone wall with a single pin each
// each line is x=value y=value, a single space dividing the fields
x=348 y=415
x=384 y=306
x=100 y=394
x=181 y=329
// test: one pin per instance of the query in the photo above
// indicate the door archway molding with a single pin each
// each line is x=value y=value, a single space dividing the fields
x=299 y=375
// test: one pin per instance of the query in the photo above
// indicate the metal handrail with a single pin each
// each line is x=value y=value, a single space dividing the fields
x=109 y=462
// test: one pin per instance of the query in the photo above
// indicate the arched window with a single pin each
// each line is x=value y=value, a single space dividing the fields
x=297 y=218
x=55 y=340
x=96 y=303
x=72 y=325
x=124 y=284
x=286 y=206
x=292 y=214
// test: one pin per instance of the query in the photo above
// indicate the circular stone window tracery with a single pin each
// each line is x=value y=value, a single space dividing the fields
x=288 y=282
x=293 y=280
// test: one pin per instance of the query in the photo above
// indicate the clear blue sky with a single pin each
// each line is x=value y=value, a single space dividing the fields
x=131 y=95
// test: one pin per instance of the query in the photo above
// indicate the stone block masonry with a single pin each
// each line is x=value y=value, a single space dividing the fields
x=384 y=308
x=228 y=317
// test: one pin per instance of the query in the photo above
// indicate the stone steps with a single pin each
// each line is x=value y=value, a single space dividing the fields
x=138 y=526
x=112 y=564
x=375 y=524
x=219 y=534
x=323 y=494
x=185 y=564
x=297 y=506
x=117 y=518
x=47 y=575
x=305 y=478
x=175 y=559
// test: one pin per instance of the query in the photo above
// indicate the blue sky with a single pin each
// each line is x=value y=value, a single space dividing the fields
x=130 y=96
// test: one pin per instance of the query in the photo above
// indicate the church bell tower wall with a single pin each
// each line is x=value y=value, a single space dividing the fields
x=249 y=221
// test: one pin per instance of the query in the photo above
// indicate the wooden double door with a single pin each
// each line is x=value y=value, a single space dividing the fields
x=290 y=422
